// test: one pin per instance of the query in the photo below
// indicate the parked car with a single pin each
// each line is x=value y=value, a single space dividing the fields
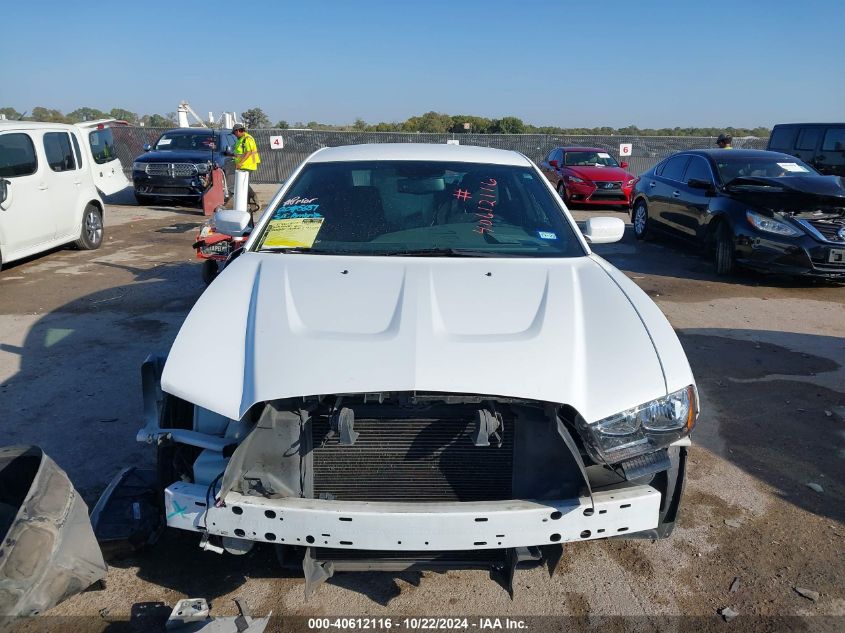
x=588 y=175
x=752 y=208
x=178 y=165
x=48 y=189
x=437 y=308
x=821 y=145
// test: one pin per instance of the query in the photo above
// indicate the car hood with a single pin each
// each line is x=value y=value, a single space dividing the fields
x=602 y=173
x=177 y=156
x=788 y=193
x=558 y=330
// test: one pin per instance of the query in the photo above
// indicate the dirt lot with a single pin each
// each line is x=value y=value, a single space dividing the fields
x=768 y=355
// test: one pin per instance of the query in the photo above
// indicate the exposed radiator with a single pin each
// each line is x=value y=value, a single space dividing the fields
x=412 y=459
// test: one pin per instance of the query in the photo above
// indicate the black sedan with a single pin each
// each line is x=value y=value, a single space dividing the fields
x=179 y=165
x=757 y=209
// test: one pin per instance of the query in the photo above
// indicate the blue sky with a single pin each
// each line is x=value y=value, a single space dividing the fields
x=573 y=64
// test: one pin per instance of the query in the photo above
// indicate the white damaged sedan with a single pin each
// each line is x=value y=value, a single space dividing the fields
x=420 y=362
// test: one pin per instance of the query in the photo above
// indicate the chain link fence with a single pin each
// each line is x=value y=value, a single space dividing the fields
x=277 y=164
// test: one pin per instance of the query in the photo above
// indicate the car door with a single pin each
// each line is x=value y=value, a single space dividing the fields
x=831 y=159
x=25 y=221
x=695 y=202
x=64 y=183
x=664 y=198
x=106 y=168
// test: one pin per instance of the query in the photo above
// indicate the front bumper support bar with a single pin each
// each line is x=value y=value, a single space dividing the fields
x=361 y=525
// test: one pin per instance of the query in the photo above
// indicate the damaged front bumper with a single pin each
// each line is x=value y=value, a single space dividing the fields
x=364 y=525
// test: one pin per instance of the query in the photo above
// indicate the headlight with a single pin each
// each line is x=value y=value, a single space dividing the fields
x=642 y=429
x=574 y=179
x=770 y=225
x=203 y=168
x=631 y=182
x=139 y=167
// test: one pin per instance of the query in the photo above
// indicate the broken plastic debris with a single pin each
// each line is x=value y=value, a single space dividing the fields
x=733 y=523
x=728 y=613
x=807 y=593
x=734 y=585
x=814 y=486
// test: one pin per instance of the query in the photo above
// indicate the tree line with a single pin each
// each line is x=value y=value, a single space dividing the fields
x=430 y=122
x=51 y=115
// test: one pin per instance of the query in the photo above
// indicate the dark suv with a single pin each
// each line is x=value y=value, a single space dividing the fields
x=178 y=166
x=821 y=145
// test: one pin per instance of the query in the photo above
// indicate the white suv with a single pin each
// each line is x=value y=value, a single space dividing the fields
x=48 y=189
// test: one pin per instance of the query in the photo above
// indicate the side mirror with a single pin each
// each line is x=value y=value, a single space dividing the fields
x=4 y=190
x=604 y=230
x=624 y=164
x=232 y=222
x=697 y=183
x=147 y=147
x=553 y=163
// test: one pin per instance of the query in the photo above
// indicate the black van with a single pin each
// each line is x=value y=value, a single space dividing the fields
x=821 y=145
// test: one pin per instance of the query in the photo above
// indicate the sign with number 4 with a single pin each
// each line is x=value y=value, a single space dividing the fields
x=277 y=142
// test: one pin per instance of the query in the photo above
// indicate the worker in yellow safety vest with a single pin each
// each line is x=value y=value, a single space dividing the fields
x=247 y=160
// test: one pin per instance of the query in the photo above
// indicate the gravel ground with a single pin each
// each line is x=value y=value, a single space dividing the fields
x=768 y=355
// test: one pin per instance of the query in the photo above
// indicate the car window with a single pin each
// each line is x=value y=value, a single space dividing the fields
x=771 y=166
x=698 y=169
x=834 y=140
x=674 y=167
x=58 y=151
x=403 y=207
x=808 y=138
x=590 y=159
x=17 y=155
x=782 y=138
x=102 y=145
x=183 y=141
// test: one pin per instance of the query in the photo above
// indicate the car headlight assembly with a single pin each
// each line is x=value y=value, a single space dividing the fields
x=139 y=167
x=575 y=179
x=770 y=225
x=203 y=168
x=641 y=429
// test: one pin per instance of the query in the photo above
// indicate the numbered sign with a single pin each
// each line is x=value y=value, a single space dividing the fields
x=625 y=149
x=277 y=142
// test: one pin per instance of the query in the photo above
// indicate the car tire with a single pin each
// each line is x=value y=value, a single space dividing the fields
x=143 y=200
x=91 y=234
x=639 y=218
x=724 y=260
x=561 y=191
x=210 y=270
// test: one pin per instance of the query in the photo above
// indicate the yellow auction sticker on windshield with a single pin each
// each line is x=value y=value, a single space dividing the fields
x=292 y=233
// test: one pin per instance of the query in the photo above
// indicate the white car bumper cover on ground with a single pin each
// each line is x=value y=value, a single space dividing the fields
x=414 y=526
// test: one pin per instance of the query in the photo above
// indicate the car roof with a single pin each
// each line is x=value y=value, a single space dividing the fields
x=419 y=151
x=728 y=153
x=582 y=149
x=807 y=124
x=33 y=125
x=193 y=130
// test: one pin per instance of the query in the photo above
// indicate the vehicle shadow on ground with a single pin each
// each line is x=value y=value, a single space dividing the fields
x=772 y=408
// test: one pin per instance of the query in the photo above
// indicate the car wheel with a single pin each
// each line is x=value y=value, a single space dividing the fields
x=91 y=235
x=639 y=219
x=210 y=270
x=725 y=256
x=561 y=191
x=143 y=200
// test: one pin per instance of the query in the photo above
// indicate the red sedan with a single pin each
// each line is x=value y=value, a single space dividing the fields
x=588 y=176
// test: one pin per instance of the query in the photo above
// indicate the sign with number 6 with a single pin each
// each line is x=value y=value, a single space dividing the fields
x=625 y=149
